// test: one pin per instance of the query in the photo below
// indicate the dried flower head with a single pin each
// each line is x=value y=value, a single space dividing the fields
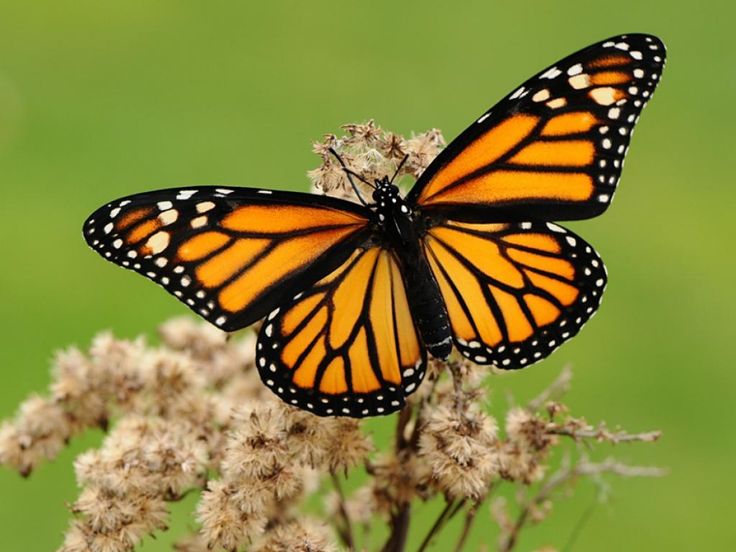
x=345 y=445
x=398 y=479
x=257 y=444
x=372 y=153
x=231 y=516
x=461 y=449
x=304 y=535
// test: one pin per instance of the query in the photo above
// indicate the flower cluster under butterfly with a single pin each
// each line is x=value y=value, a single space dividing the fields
x=357 y=295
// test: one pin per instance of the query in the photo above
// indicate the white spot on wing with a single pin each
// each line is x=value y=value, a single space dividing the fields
x=158 y=242
x=198 y=222
x=578 y=82
x=185 y=194
x=557 y=103
x=517 y=93
x=551 y=73
x=541 y=96
x=167 y=217
x=605 y=95
x=575 y=70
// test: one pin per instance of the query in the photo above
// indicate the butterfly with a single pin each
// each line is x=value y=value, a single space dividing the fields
x=356 y=297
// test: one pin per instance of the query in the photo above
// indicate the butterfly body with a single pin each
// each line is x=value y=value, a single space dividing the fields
x=400 y=231
x=355 y=297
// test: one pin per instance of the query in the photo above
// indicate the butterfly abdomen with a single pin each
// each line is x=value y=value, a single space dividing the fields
x=426 y=304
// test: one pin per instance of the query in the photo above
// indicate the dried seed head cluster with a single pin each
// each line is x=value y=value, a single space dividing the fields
x=460 y=446
x=372 y=153
x=191 y=415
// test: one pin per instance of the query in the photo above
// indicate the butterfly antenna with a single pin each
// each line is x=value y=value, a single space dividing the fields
x=399 y=167
x=350 y=174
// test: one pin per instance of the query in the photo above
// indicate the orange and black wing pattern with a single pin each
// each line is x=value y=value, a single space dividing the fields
x=554 y=148
x=347 y=346
x=231 y=254
x=514 y=292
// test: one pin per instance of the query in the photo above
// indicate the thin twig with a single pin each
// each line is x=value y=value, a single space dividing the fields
x=469 y=519
x=601 y=433
x=457 y=382
x=419 y=418
x=346 y=532
x=564 y=475
x=555 y=390
x=401 y=517
x=582 y=522
x=401 y=422
x=459 y=507
x=438 y=524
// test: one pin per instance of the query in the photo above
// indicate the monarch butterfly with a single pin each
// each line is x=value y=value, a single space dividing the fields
x=356 y=296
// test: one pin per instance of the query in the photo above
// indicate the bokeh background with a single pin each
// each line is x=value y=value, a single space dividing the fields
x=99 y=100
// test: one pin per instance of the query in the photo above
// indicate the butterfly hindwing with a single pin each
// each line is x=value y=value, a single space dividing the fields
x=553 y=149
x=230 y=254
x=348 y=345
x=514 y=291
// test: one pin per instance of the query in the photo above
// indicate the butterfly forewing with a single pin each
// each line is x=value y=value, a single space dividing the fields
x=514 y=291
x=348 y=345
x=230 y=254
x=553 y=149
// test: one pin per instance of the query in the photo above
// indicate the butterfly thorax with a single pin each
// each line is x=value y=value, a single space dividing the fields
x=394 y=215
x=398 y=231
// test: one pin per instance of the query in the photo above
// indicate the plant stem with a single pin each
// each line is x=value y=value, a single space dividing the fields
x=346 y=532
x=439 y=522
x=469 y=519
x=457 y=382
x=403 y=419
x=400 y=518
x=399 y=530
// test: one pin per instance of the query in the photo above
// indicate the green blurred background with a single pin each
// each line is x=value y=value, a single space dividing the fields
x=99 y=100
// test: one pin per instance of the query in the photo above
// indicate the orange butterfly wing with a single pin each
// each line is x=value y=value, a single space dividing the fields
x=554 y=148
x=347 y=345
x=230 y=254
x=514 y=292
